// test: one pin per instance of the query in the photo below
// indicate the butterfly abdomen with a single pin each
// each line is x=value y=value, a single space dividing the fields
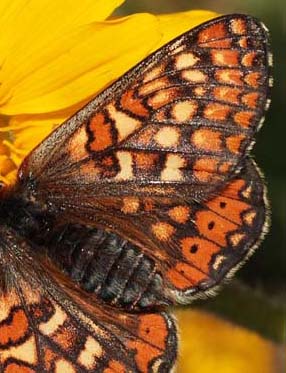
x=107 y=265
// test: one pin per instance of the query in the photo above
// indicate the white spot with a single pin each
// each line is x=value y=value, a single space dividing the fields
x=125 y=162
x=178 y=48
x=64 y=366
x=92 y=350
x=152 y=74
x=264 y=27
x=172 y=170
x=50 y=326
x=185 y=60
x=270 y=59
x=218 y=261
x=153 y=86
x=195 y=76
x=267 y=104
x=26 y=352
x=167 y=136
x=260 y=123
x=184 y=110
x=123 y=122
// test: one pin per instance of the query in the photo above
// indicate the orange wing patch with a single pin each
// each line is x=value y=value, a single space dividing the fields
x=16 y=328
x=216 y=31
x=102 y=133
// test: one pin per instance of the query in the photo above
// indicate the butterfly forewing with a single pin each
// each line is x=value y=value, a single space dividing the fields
x=47 y=325
x=161 y=159
x=185 y=115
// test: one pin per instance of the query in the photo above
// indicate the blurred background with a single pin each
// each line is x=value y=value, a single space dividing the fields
x=255 y=300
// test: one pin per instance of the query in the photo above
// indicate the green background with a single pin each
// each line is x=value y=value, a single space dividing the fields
x=256 y=298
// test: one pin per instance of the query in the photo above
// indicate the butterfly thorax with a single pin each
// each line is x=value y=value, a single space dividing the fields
x=25 y=217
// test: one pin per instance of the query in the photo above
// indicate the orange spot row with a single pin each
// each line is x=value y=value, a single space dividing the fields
x=220 y=112
x=234 y=76
x=250 y=99
x=248 y=59
x=252 y=79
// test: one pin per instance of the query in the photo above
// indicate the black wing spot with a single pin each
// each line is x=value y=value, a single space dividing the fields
x=211 y=225
x=194 y=248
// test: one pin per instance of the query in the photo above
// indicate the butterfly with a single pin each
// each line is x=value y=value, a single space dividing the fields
x=145 y=198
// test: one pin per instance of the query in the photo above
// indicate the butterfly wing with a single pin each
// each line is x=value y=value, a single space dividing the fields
x=181 y=249
x=152 y=157
x=181 y=120
x=47 y=325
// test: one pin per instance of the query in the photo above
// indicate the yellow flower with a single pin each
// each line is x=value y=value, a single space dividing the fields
x=210 y=344
x=55 y=56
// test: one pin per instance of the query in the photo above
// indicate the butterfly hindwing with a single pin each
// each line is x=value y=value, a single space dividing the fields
x=47 y=325
x=173 y=249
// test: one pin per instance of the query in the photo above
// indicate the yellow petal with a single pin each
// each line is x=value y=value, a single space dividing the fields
x=209 y=344
x=174 y=24
x=29 y=131
x=33 y=26
x=61 y=11
x=75 y=66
